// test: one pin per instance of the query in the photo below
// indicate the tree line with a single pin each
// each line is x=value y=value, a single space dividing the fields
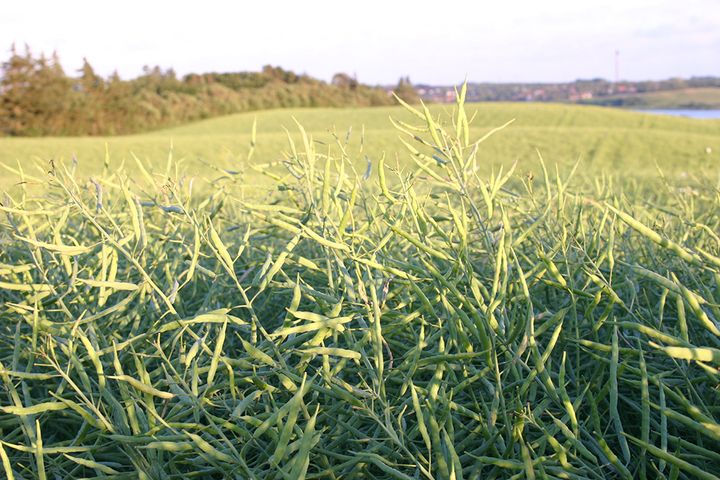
x=38 y=98
x=584 y=91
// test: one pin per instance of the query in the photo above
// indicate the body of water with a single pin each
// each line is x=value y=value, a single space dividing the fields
x=701 y=114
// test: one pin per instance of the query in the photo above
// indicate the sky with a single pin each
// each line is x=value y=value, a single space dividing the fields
x=438 y=42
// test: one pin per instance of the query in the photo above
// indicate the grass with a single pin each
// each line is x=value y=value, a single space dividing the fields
x=605 y=140
x=416 y=320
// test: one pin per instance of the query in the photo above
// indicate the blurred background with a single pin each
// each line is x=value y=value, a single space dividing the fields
x=136 y=76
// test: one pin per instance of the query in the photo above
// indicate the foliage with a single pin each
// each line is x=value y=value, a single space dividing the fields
x=424 y=322
x=38 y=98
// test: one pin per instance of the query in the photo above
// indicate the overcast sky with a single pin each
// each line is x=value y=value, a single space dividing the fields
x=439 y=42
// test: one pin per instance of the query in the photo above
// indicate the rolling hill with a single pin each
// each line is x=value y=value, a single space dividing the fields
x=605 y=140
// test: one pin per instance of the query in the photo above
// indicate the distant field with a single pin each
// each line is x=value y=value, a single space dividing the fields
x=602 y=139
x=682 y=98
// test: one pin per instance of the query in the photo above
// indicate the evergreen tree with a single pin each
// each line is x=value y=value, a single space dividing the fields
x=16 y=75
x=34 y=94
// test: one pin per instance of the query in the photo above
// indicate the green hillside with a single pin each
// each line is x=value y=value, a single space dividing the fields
x=603 y=139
